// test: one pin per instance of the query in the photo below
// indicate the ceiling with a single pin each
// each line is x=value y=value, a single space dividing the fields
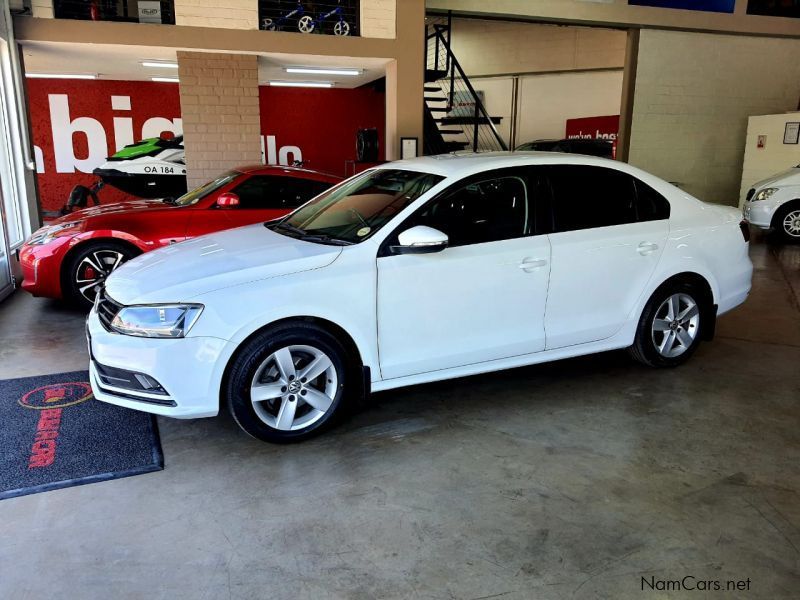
x=110 y=61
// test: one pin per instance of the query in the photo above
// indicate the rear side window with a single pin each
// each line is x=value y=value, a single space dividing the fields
x=650 y=205
x=585 y=197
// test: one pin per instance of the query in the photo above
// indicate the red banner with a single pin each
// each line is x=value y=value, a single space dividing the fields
x=593 y=128
x=76 y=124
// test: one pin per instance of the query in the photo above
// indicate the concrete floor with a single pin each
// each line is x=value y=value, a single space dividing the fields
x=568 y=480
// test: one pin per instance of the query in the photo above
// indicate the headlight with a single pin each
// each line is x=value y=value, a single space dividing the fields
x=765 y=193
x=48 y=232
x=158 y=321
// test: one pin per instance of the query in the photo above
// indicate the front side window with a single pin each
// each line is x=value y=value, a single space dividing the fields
x=358 y=208
x=276 y=192
x=585 y=197
x=478 y=212
x=197 y=194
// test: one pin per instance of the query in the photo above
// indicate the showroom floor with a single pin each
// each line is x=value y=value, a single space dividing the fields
x=568 y=480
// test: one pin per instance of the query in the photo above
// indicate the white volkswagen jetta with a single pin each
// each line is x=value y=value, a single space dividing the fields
x=416 y=271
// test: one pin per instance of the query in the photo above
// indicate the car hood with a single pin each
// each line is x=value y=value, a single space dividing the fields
x=125 y=207
x=183 y=271
x=788 y=177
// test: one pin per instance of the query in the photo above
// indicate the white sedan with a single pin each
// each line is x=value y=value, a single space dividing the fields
x=774 y=203
x=416 y=271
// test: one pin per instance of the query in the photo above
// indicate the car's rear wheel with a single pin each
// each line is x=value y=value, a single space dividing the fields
x=670 y=326
x=288 y=383
x=87 y=268
x=787 y=221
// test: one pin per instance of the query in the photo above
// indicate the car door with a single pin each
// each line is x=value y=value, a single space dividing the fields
x=609 y=231
x=480 y=299
x=261 y=198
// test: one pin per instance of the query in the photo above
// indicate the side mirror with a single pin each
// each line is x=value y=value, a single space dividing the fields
x=420 y=240
x=227 y=200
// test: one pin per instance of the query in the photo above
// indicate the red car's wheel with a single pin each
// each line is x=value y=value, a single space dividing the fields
x=85 y=270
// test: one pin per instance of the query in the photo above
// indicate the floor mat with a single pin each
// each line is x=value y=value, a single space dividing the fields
x=54 y=434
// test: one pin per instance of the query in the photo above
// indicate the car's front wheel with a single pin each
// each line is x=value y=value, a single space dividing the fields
x=87 y=268
x=787 y=221
x=669 y=328
x=288 y=383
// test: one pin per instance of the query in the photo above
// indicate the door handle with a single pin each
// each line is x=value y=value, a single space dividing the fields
x=529 y=264
x=646 y=248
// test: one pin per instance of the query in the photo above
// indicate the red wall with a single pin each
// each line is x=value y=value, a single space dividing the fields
x=91 y=99
x=322 y=123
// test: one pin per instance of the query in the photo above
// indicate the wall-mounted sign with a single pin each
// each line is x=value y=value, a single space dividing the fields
x=408 y=147
x=791 y=134
x=774 y=8
x=149 y=11
x=593 y=128
x=762 y=142
x=725 y=6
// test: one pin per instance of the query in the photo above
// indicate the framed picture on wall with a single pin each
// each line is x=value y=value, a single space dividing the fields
x=791 y=134
x=408 y=147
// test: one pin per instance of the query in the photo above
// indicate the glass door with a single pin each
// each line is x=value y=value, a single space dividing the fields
x=6 y=286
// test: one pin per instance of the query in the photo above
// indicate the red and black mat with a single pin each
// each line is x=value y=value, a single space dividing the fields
x=54 y=434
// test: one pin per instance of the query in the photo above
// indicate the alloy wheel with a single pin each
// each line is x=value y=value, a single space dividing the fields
x=93 y=270
x=294 y=387
x=791 y=223
x=675 y=325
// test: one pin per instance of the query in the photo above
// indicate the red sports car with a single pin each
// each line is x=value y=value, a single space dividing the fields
x=70 y=257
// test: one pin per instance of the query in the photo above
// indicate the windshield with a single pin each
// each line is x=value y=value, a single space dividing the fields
x=204 y=190
x=355 y=210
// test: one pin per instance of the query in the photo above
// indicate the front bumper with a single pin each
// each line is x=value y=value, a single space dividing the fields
x=41 y=268
x=189 y=369
x=759 y=213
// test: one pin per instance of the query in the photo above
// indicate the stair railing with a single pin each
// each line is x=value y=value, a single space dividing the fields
x=454 y=70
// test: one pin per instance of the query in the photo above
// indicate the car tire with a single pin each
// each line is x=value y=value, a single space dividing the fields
x=271 y=364
x=670 y=327
x=787 y=221
x=92 y=262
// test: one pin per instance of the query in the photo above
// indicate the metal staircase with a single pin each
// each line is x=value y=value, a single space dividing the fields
x=455 y=117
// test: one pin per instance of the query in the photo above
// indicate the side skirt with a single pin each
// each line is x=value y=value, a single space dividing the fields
x=622 y=339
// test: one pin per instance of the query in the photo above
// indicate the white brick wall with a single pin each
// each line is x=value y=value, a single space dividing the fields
x=694 y=94
x=220 y=111
x=378 y=18
x=230 y=14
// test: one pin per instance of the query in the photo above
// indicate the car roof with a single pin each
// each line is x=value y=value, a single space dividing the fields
x=458 y=165
x=290 y=171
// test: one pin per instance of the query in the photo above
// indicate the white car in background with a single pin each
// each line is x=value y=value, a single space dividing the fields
x=416 y=271
x=774 y=203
